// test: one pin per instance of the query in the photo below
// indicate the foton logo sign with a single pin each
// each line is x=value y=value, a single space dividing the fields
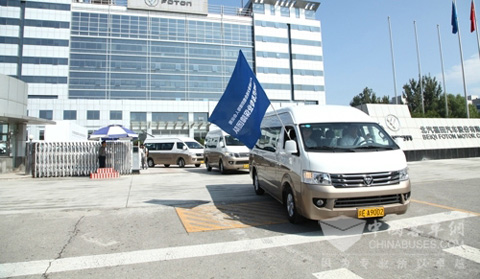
x=175 y=6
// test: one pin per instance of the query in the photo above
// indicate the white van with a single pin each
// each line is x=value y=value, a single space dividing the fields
x=179 y=151
x=225 y=152
x=329 y=161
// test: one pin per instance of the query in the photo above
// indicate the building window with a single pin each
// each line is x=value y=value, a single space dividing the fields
x=93 y=115
x=200 y=116
x=138 y=116
x=69 y=115
x=297 y=12
x=309 y=14
x=169 y=116
x=285 y=11
x=272 y=9
x=115 y=115
x=258 y=9
x=46 y=114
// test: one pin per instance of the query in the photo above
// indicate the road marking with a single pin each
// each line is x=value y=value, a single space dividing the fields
x=336 y=273
x=202 y=250
x=446 y=207
x=230 y=216
x=466 y=252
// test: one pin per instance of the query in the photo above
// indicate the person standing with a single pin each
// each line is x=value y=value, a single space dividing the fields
x=145 y=154
x=102 y=155
x=142 y=155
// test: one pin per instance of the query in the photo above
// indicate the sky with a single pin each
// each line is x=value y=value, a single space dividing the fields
x=357 y=52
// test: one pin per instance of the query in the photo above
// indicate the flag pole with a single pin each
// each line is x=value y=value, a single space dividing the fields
x=281 y=122
x=419 y=68
x=454 y=14
x=393 y=62
x=443 y=71
x=473 y=18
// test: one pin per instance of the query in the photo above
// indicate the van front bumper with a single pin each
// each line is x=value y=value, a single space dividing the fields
x=395 y=199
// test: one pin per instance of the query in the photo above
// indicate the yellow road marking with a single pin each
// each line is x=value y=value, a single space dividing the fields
x=230 y=216
x=446 y=207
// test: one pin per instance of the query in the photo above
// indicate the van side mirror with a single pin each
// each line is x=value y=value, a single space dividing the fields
x=184 y=147
x=221 y=144
x=291 y=147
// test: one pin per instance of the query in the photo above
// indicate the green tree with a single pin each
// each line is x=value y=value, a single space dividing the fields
x=368 y=97
x=432 y=92
x=456 y=107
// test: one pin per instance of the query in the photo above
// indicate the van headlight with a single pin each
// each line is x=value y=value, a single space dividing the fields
x=311 y=177
x=403 y=174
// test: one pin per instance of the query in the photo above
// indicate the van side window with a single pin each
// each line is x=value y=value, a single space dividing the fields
x=166 y=146
x=151 y=146
x=180 y=145
x=269 y=139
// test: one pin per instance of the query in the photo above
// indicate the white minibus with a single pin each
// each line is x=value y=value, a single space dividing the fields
x=225 y=152
x=179 y=151
x=325 y=161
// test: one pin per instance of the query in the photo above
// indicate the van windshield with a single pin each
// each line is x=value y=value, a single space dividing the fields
x=348 y=137
x=231 y=141
x=193 y=145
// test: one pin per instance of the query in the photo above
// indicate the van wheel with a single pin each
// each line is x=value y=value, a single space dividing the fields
x=256 y=185
x=290 y=206
x=207 y=165
x=221 y=167
x=150 y=163
x=181 y=163
x=197 y=165
x=167 y=165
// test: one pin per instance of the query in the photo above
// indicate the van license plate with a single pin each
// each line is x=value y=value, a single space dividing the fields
x=370 y=212
x=245 y=166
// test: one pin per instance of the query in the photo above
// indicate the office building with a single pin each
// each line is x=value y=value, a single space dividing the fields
x=155 y=66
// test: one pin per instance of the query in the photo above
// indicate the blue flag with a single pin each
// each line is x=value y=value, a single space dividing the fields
x=242 y=106
x=454 y=19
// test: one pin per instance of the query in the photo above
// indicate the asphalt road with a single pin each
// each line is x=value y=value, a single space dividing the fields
x=190 y=223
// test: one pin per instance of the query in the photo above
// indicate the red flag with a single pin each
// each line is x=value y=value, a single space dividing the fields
x=472 y=18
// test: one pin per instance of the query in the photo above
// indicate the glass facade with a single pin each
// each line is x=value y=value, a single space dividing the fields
x=153 y=58
x=104 y=53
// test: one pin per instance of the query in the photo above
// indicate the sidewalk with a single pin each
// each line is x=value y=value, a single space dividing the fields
x=14 y=175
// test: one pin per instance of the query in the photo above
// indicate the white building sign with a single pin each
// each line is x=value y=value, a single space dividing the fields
x=175 y=6
x=426 y=133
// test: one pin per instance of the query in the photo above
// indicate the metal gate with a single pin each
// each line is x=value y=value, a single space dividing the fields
x=60 y=159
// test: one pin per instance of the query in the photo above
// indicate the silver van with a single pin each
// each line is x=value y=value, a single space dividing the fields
x=329 y=161
x=174 y=151
x=225 y=152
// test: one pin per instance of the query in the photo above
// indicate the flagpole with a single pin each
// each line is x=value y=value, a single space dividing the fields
x=476 y=26
x=461 y=60
x=443 y=71
x=393 y=62
x=281 y=122
x=419 y=68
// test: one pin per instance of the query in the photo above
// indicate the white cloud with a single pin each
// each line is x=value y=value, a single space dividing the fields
x=454 y=81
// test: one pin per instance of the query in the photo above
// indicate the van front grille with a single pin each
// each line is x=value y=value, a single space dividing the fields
x=365 y=179
x=367 y=201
